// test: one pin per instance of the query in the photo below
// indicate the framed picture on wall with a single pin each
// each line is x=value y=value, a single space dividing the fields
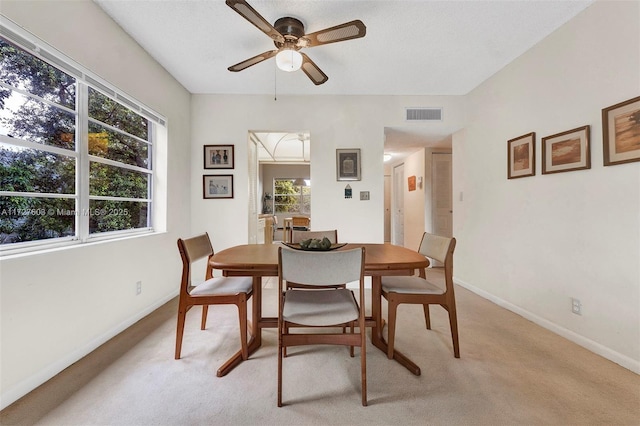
x=521 y=156
x=566 y=151
x=218 y=157
x=217 y=186
x=348 y=164
x=621 y=132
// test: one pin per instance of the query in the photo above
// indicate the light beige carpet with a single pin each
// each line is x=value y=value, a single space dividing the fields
x=511 y=372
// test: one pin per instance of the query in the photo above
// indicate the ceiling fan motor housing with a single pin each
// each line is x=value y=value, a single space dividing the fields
x=291 y=29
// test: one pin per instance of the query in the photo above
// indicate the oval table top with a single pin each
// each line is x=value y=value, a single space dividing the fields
x=263 y=258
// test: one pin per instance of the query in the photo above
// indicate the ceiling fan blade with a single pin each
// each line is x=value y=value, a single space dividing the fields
x=346 y=31
x=252 y=61
x=312 y=71
x=250 y=14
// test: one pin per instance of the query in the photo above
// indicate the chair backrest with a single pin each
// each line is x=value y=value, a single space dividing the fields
x=191 y=250
x=441 y=249
x=300 y=221
x=321 y=268
x=297 y=236
x=436 y=246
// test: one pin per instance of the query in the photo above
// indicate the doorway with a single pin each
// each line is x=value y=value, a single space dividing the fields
x=273 y=154
x=398 y=205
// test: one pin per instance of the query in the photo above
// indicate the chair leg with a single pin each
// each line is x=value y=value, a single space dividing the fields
x=280 y=356
x=427 y=318
x=182 y=313
x=392 y=307
x=284 y=350
x=203 y=322
x=351 y=348
x=363 y=369
x=242 y=313
x=453 y=323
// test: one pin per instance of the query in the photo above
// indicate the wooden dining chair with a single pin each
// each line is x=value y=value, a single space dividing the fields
x=418 y=290
x=299 y=223
x=322 y=308
x=296 y=237
x=213 y=291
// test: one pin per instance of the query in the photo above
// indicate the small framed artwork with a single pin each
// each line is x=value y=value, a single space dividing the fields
x=218 y=157
x=566 y=151
x=621 y=132
x=521 y=156
x=411 y=181
x=217 y=186
x=348 y=164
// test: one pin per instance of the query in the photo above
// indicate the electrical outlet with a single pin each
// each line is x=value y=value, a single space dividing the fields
x=364 y=195
x=138 y=288
x=576 y=306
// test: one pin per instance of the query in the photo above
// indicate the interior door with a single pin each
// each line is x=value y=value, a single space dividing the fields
x=387 y=208
x=442 y=196
x=398 y=205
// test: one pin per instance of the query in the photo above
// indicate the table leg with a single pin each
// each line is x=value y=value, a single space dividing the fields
x=376 y=331
x=256 y=332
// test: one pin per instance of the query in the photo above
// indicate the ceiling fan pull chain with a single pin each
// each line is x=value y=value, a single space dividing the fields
x=275 y=83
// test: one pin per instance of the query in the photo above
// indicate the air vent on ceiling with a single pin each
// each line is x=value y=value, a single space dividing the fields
x=423 y=114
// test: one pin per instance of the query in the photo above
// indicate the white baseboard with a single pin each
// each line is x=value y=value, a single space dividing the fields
x=9 y=396
x=595 y=347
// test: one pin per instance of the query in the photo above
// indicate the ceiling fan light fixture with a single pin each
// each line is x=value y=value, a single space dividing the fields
x=289 y=60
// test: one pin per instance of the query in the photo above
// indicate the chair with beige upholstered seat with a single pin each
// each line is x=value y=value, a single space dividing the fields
x=419 y=290
x=326 y=308
x=296 y=237
x=213 y=291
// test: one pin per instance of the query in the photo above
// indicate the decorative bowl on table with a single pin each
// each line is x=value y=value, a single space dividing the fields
x=314 y=244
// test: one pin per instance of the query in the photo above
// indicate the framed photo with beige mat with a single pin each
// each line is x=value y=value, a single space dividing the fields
x=621 y=132
x=566 y=151
x=217 y=186
x=521 y=156
x=218 y=157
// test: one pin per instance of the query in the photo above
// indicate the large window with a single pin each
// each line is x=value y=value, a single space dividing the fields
x=75 y=154
x=291 y=196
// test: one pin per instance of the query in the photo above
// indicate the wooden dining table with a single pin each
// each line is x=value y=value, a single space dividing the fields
x=261 y=260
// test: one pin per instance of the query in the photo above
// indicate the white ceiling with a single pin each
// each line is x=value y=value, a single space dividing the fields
x=282 y=147
x=411 y=47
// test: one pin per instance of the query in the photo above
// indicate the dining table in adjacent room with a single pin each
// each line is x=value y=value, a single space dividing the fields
x=261 y=260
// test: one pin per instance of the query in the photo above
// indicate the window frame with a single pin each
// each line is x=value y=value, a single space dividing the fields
x=85 y=79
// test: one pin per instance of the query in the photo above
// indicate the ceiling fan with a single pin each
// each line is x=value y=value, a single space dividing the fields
x=288 y=35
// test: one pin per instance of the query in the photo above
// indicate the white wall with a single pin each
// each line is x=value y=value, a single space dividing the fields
x=334 y=122
x=58 y=306
x=533 y=243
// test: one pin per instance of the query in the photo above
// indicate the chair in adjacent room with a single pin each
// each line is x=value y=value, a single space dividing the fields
x=299 y=223
x=213 y=291
x=419 y=290
x=326 y=308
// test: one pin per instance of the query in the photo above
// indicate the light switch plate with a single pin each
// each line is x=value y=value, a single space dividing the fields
x=364 y=195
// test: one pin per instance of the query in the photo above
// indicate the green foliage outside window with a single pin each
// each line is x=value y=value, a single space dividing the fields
x=46 y=205
x=290 y=198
